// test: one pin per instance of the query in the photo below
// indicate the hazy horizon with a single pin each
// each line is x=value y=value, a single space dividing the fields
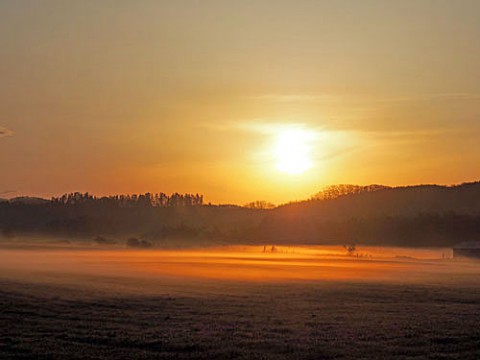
x=7 y=195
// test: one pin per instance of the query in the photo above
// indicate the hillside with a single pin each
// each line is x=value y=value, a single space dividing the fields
x=424 y=215
x=398 y=201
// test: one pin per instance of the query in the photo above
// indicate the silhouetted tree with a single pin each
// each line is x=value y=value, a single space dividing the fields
x=260 y=204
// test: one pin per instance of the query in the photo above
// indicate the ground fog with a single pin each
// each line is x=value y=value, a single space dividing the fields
x=242 y=302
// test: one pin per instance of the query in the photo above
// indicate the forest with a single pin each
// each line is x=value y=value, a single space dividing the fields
x=413 y=216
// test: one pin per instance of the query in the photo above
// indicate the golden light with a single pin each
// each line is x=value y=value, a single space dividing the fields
x=293 y=151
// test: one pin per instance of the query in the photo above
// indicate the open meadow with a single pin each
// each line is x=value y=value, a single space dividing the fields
x=242 y=302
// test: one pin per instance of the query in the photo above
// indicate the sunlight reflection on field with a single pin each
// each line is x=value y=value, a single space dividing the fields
x=166 y=269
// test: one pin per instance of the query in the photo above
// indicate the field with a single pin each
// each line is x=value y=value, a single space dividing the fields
x=65 y=302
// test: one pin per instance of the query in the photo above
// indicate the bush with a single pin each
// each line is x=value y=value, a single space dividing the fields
x=135 y=243
x=100 y=240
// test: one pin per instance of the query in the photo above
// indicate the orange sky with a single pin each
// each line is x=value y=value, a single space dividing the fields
x=122 y=96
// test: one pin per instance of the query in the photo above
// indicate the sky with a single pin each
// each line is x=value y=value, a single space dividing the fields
x=213 y=97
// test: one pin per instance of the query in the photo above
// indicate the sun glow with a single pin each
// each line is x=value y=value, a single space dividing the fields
x=293 y=151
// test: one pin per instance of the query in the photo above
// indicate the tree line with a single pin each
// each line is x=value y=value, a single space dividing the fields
x=141 y=200
x=336 y=191
x=426 y=215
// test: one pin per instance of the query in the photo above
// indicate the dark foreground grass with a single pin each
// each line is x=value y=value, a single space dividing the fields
x=256 y=321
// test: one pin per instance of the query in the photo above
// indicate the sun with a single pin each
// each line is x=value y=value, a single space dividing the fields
x=292 y=151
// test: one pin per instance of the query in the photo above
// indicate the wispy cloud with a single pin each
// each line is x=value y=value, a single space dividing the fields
x=424 y=97
x=410 y=134
x=295 y=98
x=331 y=142
x=326 y=143
x=263 y=126
x=455 y=95
x=4 y=132
x=360 y=98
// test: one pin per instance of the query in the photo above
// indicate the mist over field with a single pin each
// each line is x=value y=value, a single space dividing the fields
x=47 y=261
x=89 y=301
x=159 y=271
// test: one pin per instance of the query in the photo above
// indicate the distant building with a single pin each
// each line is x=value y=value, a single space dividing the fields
x=470 y=249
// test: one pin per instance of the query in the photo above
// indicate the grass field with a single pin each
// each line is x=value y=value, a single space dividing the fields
x=236 y=303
